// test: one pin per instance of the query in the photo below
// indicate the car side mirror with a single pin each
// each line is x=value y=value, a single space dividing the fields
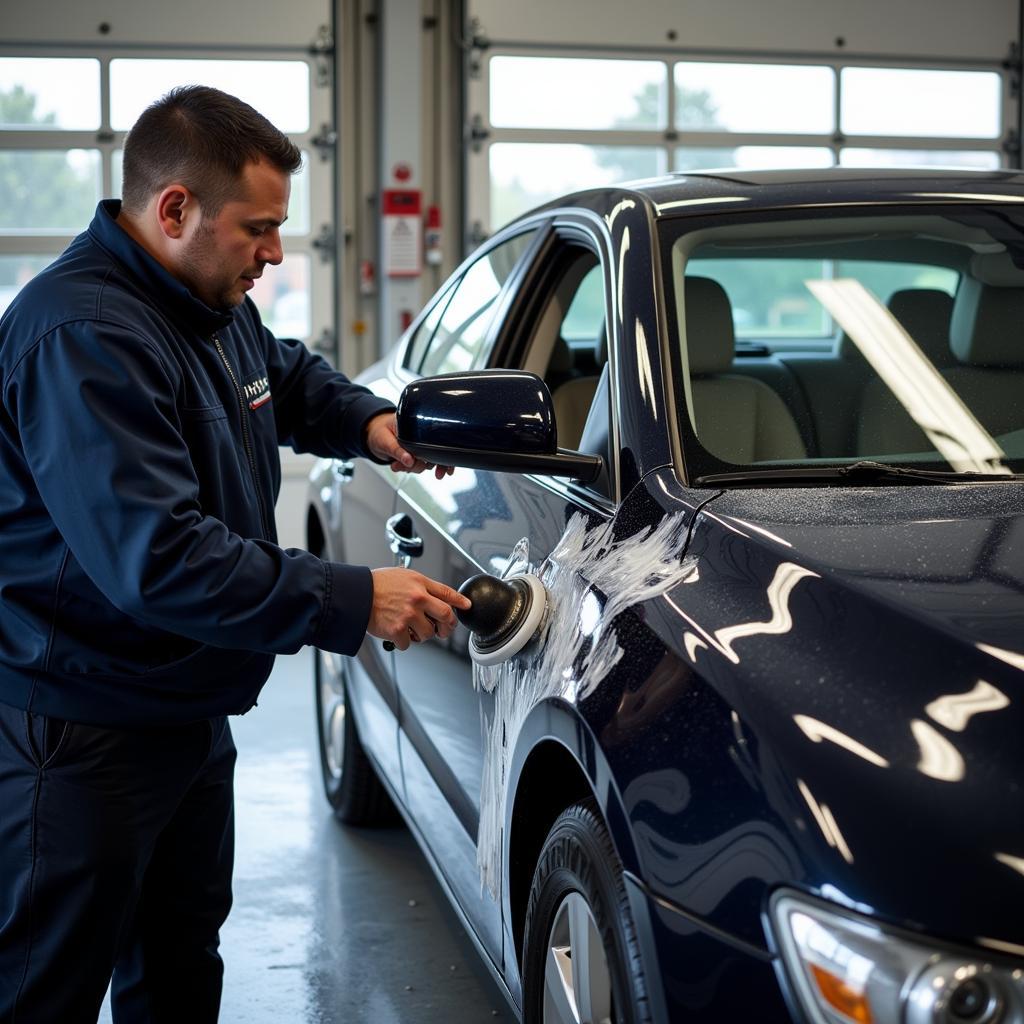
x=501 y=420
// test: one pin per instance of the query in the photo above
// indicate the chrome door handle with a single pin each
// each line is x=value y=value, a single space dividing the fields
x=401 y=538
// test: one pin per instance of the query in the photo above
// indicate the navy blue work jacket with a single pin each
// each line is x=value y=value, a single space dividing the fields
x=140 y=578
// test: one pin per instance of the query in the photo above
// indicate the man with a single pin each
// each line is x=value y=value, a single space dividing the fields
x=142 y=592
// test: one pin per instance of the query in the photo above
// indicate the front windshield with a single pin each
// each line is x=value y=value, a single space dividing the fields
x=892 y=336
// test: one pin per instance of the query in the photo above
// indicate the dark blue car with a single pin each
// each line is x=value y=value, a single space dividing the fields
x=760 y=440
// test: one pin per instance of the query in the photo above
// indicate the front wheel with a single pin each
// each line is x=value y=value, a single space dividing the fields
x=581 y=960
x=350 y=780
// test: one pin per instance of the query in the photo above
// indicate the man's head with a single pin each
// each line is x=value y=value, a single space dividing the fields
x=201 y=138
x=206 y=188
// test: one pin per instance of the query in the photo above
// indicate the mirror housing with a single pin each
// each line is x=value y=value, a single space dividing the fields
x=501 y=420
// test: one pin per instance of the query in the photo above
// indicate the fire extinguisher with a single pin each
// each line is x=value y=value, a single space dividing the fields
x=432 y=236
x=367 y=277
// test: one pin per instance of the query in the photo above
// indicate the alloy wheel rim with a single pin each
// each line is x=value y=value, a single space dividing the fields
x=332 y=712
x=577 y=978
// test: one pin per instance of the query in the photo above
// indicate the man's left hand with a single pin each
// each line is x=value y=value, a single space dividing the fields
x=382 y=441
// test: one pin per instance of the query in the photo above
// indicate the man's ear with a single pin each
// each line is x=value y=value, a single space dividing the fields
x=176 y=208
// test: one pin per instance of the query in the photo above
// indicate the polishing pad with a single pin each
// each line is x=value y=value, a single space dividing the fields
x=505 y=615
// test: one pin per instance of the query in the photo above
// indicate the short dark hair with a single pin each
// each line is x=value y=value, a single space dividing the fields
x=203 y=138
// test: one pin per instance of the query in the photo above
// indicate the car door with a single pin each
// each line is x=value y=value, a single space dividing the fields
x=471 y=522
x=354 y=493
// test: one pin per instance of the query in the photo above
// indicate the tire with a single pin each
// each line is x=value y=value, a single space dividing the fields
x=351 y=785
x=577 y=904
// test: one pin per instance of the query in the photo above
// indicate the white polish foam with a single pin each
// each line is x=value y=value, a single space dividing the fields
x=576 y=648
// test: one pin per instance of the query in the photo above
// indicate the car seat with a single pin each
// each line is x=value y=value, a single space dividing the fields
x=573 y=398
x=982 y=360
x=738 y=418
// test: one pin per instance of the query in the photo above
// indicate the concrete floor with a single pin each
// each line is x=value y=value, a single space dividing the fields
x=332 y=924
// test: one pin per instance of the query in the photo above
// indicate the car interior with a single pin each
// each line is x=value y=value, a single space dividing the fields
x=780 y=395
x=917 y=358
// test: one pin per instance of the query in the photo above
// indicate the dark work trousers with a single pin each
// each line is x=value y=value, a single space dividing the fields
x=116 y=848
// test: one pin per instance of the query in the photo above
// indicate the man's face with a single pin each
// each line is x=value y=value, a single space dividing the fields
x=223 y=255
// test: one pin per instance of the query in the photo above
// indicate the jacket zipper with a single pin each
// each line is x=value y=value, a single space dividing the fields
x=246 y=439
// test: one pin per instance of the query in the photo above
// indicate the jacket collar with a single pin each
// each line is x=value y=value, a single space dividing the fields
x=158 y=283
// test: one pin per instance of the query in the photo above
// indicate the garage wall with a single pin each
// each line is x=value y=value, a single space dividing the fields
x=939 y=29
x=257 y=23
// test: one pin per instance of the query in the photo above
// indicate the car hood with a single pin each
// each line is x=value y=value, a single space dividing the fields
x=953 y=556
x=869 y=645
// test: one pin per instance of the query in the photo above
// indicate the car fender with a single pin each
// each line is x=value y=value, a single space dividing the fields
x=559 y=723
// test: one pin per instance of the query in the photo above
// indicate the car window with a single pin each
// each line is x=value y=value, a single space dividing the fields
x=458 y=339
x=568 y=348
x=771 y=305
x=584 y=319
x=927 y=366
x=420 y=341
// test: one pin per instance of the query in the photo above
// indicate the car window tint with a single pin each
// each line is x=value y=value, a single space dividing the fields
x=420 y=341
x=457 y=343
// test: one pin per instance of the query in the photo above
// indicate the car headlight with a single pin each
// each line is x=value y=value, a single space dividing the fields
x=844 y=968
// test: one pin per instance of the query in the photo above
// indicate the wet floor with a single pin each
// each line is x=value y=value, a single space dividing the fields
x=332 y=924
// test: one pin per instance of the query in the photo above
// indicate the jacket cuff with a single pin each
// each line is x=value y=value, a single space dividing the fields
x=348 y=600
x=357 y=415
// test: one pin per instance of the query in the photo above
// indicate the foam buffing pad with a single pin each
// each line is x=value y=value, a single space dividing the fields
x=504 y=617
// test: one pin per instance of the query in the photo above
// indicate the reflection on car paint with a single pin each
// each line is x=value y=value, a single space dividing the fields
x=643 y=363
x=757 y=529
x=817 y=731
x=568 y=662
x=939 y=758
x=787 y=576
x=826 y=822
x=1010 y=657
x=619 y=207
x=955 y=710
x=1017 y=863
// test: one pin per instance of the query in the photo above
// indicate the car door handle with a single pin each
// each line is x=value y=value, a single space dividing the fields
x=343 y=470
x=401 y=538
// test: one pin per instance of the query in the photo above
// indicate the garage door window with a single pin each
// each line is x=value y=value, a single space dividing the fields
x=44 y=93
x=63 y=122
x=278 y=89
x=546 y=125
x=915 y=103
x=754 y=97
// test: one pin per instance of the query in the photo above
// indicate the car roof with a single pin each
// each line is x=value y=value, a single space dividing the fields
x=710 y=191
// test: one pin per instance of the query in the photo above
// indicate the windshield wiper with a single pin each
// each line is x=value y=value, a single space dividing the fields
x=864 y=472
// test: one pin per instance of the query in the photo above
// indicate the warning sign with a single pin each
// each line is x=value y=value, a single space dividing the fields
x=402 y=232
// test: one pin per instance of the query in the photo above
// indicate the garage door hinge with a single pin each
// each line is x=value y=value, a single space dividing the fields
x=477 y=234
x=325 y=140
x=476 y=133
x=1012 y=63
x=325 y=243
x=322 y=48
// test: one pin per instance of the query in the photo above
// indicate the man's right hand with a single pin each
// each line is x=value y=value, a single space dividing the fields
x=409 y=607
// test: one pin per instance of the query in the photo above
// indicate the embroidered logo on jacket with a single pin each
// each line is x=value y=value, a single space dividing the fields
x=258 y=392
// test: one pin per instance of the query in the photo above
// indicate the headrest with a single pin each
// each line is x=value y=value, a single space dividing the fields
x=710 y=341
x=924 y=314
x=561 y=357
x=986 y=326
